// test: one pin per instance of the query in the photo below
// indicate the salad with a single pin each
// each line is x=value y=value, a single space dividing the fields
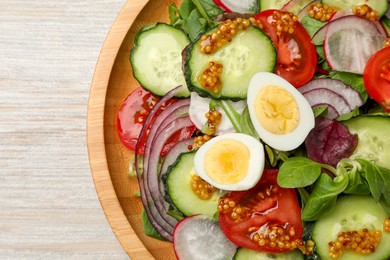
x=259 y=129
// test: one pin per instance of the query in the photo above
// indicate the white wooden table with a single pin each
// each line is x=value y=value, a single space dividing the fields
x=48 y=204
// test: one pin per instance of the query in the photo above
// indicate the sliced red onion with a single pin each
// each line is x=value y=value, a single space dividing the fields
x=151 y=170
x=326 y=96
x=164 y=228
x=350 y=95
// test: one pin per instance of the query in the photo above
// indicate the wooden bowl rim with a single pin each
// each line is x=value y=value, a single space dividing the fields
x=95 y=131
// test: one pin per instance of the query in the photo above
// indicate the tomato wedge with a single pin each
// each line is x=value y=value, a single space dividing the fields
x=132 y=115
x=376 y=77
x=265 y=218
x=297 y=57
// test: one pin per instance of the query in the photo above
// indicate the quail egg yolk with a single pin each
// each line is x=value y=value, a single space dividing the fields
x=276 y=110
x=226 y=162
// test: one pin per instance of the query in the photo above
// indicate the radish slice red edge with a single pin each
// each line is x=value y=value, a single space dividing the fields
x=200 y=237
x=340 y=98
x=242 y=6
x=319 y=37
x=350 y=41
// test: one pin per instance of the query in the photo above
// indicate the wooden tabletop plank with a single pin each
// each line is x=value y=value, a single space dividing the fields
x=48 y=204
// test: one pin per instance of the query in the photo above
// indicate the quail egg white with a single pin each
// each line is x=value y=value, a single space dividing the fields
x=280 y=114
x=231 y=162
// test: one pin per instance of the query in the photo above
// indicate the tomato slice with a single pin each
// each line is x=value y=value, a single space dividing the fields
x=132 y=115
x=265 y=218
x=297 y=57
x=376 y=78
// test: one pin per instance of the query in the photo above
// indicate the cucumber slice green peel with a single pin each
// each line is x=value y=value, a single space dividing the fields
x=178 y=190
x=246 y=254
x=352 y=213
x=156 y=58
x=249 y=52
x=374 y=138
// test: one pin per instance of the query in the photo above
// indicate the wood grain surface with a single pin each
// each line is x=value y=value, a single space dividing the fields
x=48 y=204
x=109 y=159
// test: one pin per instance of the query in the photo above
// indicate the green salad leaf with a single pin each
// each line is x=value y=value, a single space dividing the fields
x=246 y=124
x=311 y=25
x=324 y=196
x=297 y=172
x=148 y=228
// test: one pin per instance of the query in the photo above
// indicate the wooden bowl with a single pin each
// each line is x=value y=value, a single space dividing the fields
x=109 y=159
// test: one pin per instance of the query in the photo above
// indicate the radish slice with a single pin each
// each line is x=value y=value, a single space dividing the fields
x=350 y=95
x=350 y=41
x=323 y=96
x=199 y=106
x=295 y=6
x=319 y=37
x=242 y=6
x=347 y=12
x=201 y=238
x=305 y=11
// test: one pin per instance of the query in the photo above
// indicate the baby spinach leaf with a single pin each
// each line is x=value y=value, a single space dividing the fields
x=197 y=24
x=378 y=179
x=324 y=196
x=246 y=124
x=297 y=172
x=311 y=25
x=304 y=195
x=357 y=184
x=186 y=8
x=148 y=228
x=349 y=115
x=209 y=7
x=385 y=205
x=320 y=111
x=174 y=13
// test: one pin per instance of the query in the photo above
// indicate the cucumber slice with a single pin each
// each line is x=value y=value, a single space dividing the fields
x=270 y=4
x=156 y=58
x=245 y=254
x=177 y=183
x=352 y=213
x=374 y=138
x=249 y=52
x=378 y=5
